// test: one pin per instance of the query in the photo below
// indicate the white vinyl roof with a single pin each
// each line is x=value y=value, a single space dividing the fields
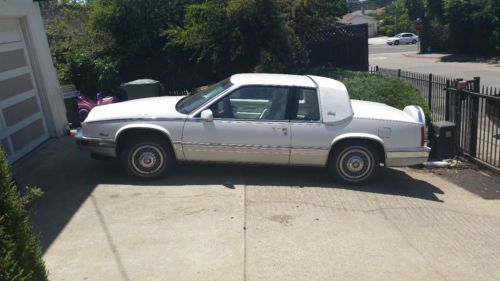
x=272 y=79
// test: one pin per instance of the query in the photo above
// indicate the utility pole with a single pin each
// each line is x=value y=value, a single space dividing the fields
x=395 y=17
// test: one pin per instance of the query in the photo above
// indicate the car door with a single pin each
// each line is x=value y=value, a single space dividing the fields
x=406 y=38
x=310 y=136
x=250 y=125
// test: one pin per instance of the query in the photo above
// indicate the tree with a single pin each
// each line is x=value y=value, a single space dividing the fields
x=396 y=19
x=232 y=36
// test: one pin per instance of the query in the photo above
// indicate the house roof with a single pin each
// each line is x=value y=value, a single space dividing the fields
x=349 y=17
x=360 y=13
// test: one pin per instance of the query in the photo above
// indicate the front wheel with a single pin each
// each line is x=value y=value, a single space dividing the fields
x=354 y=163
x=396 y=42
x=147 y=157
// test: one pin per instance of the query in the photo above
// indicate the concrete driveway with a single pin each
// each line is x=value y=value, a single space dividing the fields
x=216 y=222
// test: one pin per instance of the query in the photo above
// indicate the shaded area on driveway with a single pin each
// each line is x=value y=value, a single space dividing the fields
x=68 y=177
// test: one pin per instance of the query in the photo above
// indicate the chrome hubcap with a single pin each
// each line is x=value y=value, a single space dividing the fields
x=355 y=164
x=147 y=159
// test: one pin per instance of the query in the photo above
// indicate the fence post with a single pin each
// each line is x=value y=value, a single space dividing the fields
x=429 y=97
x=399 y=72
x=376 y=69
x=447 y=102
x=474 y=118
x=457 y=114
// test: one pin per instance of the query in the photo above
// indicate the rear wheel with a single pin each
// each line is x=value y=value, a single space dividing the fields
x=354 y=163
x=147 y=157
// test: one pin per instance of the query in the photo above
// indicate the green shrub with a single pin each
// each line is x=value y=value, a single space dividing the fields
x=20 y=254
x=386 y=89
x=372 y=87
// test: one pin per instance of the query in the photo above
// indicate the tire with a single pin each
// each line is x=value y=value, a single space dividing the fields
x=414 y=41
x=147 y=157
x=354 y=163
x=396 y=42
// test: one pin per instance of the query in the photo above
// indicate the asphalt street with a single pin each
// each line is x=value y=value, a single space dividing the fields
x=406 y=57
x=384 y=48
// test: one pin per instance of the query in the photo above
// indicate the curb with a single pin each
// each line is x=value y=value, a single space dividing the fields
x=416 y=56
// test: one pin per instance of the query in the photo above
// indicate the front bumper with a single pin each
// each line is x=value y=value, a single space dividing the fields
x=95 y=145
x=406 y=156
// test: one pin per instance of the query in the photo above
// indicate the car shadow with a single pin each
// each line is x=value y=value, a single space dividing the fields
x=68 y=177
x=388 y=181
x=464 y=58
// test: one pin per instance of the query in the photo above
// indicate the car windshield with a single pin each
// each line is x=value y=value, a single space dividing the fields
x=190 y=103
x=398 y=35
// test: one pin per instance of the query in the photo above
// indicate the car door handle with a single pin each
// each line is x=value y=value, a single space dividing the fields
x=284 y=130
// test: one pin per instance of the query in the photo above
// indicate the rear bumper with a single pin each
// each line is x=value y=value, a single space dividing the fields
x=94 y=145
x=407 y=156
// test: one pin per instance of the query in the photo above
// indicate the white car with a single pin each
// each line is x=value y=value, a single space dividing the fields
x=259 y=118
x=403 y=38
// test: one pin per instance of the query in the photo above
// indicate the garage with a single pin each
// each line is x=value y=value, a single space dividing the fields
x=31 y=106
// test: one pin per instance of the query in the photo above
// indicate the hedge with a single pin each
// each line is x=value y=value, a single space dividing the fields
x=20 y=253
x=367 y=86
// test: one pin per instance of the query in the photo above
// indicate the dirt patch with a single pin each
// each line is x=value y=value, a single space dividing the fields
x=478 y=180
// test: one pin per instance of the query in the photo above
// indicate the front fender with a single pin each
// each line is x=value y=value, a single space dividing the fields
x=142 y=126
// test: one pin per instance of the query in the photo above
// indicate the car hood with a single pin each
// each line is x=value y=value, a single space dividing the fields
x=158 y=107
x=392 y=38
x=380 y=111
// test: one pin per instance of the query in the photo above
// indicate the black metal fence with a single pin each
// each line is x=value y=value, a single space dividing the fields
x=344 y=46
x=475 y=110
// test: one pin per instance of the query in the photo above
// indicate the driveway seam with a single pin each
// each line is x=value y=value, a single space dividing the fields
x=112 y=245
x=382 y=210
x=245 y=228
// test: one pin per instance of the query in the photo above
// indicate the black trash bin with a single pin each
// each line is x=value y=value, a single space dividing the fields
x=142 y=88
x=443 y=140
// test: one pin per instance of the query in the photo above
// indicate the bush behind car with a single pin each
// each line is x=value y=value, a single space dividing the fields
x=390 y=90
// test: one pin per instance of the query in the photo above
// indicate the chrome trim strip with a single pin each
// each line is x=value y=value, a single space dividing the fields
x=136 y=120
x=234 y=120
x=311 y=147
x=232 y=145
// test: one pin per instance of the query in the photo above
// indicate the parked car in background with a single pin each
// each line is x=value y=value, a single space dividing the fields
x=259 y=118
x=403 y=38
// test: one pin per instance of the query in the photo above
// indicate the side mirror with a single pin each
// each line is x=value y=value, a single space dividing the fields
x=207 y=115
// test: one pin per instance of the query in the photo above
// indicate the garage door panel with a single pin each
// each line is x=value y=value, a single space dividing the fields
x=26 y=135
x=20 y=111
x=15 y=86
x=12 y=60
x=22 y=122
x=10 y=31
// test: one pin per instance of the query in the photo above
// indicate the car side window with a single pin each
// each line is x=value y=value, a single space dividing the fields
x=253 y=103
x=306 y=105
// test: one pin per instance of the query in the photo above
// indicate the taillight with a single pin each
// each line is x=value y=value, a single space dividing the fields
x=422 y=135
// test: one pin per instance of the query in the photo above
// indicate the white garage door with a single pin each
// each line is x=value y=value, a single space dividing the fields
x=22 y=123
